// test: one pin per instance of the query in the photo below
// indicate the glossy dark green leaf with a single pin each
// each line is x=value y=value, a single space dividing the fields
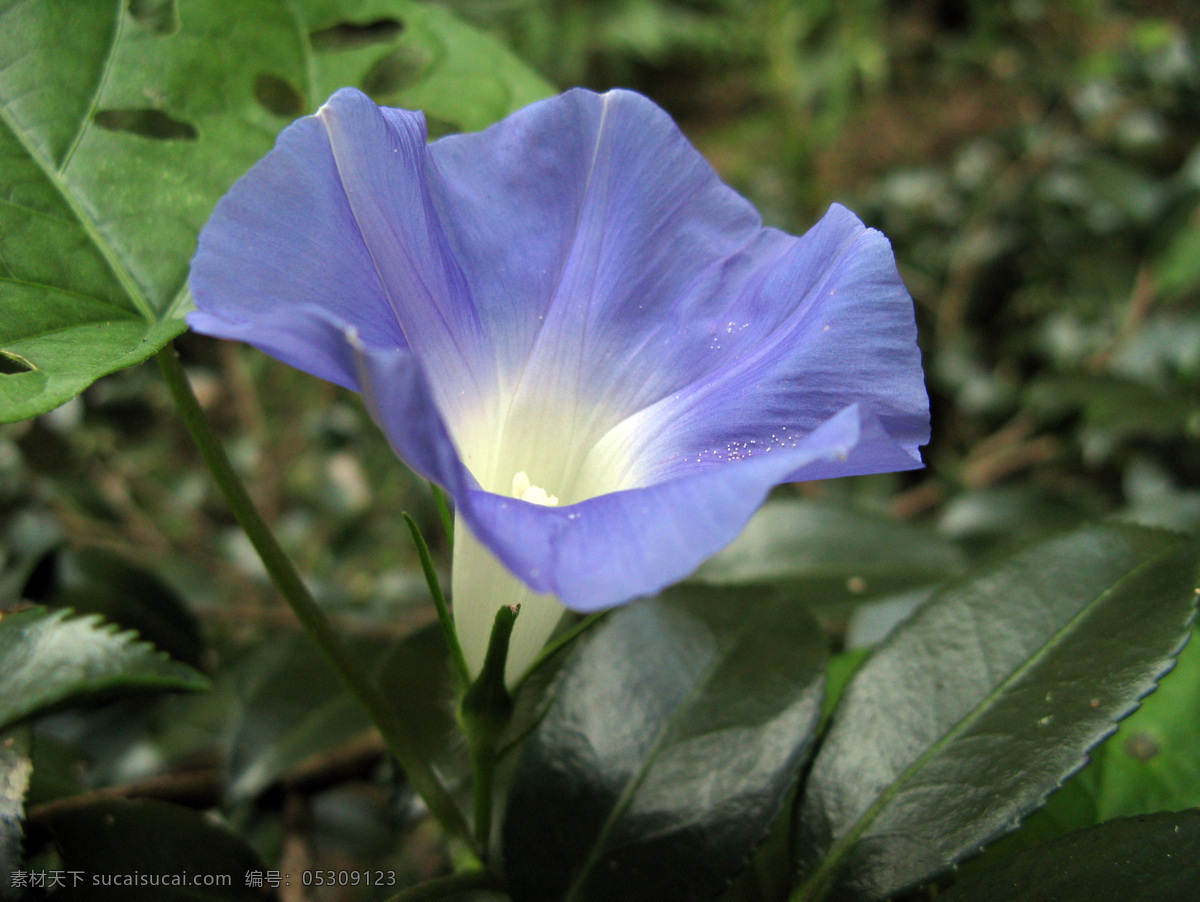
x=768 y=876
x=48 y=658
x=1071 y=807
x=151 y=850
x=977 y=708
x=832 y=552
x=1152 y=763
x=1013 y=515
x=674 y=735
x=121 y=124
x=1150 y=858
x=536 y=692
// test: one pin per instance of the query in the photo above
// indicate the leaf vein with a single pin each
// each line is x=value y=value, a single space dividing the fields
x=843 y=846
x=94 y=100
x=631 y=788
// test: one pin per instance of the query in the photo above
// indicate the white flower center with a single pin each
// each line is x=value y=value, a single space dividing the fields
x=525 y=490
x=575 y=452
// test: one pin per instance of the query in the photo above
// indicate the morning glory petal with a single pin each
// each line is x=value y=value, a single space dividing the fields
x=600 y=552
x=643 y=288
x=570 y=323
x=566 y=219
x=842 y=333
x=282 y=258
x=380 y=155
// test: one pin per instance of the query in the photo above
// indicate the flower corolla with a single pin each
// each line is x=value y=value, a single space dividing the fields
x=573 y=326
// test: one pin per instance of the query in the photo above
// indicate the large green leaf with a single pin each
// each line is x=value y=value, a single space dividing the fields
x=675 y=733
x=48 y=658
x=832 y=553
x=977 y=708
x=1151 y=858
x=122 y=123
x=1071 y=807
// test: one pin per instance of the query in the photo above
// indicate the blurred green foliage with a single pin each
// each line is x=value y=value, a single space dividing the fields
x=1036 y=165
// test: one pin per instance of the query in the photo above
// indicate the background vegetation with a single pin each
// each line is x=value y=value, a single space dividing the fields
x=1037 y=168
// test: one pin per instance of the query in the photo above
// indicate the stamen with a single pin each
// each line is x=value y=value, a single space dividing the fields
x=527 y=491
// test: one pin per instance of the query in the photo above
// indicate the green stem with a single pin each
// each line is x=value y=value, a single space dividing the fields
x=307 y=611
x=452 y=885
x=485 y=711
x=458 y=661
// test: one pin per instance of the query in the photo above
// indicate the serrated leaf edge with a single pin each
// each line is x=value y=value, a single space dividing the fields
x=127 y=639
x=832 y=860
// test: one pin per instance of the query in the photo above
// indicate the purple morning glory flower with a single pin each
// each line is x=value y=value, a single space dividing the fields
x=572 y=325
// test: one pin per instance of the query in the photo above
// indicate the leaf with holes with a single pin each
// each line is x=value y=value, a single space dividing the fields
x=48 y=658
x=675 y=733
x=418 y=56
x=978 y=707
x=123 y=123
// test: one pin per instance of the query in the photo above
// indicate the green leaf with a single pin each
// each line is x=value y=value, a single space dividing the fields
x=978 y=707
x=294 y=706
x=122 y=124
x=154 y=851
x=116 y=139
x=1013 y=515
x=674 y=736
x=95 y=581
x=1114 y=404
x=1071 y=807
x=1151 y=763
x=1177 y=269
x=415 y=676
x=418 y=56
x=536 y=690
x=48 y=658
x=833 y=553
x=838 y=673
x=1149 y=858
